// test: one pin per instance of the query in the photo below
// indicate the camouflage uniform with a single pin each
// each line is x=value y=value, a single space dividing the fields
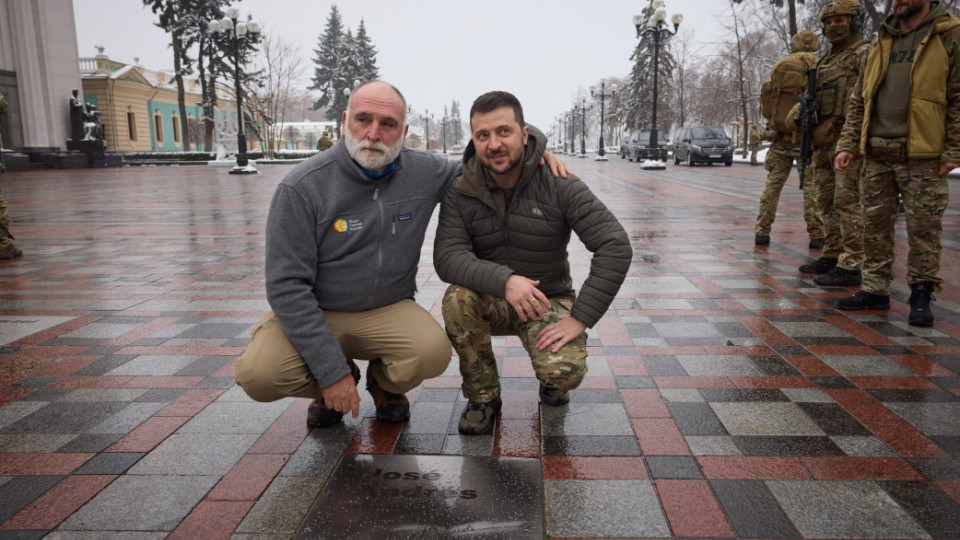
x=784 y=149
x=472 y=318
x=905 y=166
x=7 y=249
x=838 y=198
x=755 y=137
x=779 y=162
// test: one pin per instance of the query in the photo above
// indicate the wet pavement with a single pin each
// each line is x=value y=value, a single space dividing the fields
x=726 y=397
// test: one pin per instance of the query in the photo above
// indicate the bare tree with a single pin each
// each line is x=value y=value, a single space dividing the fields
x=281 y=66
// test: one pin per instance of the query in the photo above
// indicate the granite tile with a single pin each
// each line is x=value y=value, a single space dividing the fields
x=752 y=509
x=590 y=446
x=141 y=503
x=594 y=508
x=844 y=509
x=195 y=454
x=585 y=419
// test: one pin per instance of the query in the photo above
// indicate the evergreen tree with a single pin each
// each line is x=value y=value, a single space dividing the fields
x=640 y=96
x=456 y=123
x=329 y=53
x=169 y=19
x=348 y=74
x=367 y=53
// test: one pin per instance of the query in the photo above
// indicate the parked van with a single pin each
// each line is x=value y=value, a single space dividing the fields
x=702 y=144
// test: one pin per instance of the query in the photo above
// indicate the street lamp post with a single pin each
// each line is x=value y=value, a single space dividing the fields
x=583 y=128
x=656 y=28
x=443 y=131
x=426 y=119
x=601 y=154
x=235 y=31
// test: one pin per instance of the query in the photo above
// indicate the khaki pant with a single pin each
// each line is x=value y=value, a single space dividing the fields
x=409 y=343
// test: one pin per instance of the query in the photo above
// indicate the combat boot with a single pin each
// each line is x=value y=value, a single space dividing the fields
x=838 y=277
x=10 y=252
x=761 y=239
x=819 y=266
x=553 y=396
x=920 y=297
x=864 y=300
x=815 y=243
x=319 y=416
x=477 y=418
x=391 y=408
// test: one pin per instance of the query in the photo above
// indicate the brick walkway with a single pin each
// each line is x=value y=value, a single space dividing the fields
x=726 y=396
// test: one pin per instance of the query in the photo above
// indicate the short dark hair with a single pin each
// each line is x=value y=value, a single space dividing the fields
x=494 y=100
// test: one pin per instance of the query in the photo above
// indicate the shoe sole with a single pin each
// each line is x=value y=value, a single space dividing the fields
x=922 y=324
x=395 y=417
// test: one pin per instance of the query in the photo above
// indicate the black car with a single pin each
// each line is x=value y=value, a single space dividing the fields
x=636 y=147
x=702 y=144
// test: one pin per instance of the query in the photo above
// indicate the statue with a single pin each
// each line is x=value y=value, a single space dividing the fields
x=92 y=128
x=77 y=117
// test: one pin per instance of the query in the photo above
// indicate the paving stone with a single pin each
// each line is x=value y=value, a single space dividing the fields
x=141 y=503
x=593 y=508
x=195 y=454
x=840 y=509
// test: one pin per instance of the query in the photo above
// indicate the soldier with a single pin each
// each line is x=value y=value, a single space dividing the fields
x=778 y=96
x=904 y=120
x=7 y=249
x=502 y=244
x=838 y=193
x=755 y=137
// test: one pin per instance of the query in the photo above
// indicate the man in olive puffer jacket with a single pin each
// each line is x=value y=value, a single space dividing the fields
x=502 y=244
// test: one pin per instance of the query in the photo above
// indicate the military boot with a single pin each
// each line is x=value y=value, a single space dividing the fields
x=391 y=408
x=920 y=297
x=477 y=418
x=553 y=396
x=839 y=277
x=761 y=239
x=864 y=300
x=819 y=266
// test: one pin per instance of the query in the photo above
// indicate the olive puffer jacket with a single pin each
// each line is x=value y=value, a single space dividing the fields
x=478 y=248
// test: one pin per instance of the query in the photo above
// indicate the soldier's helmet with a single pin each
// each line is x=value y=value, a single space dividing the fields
x=853 y=8
x=804 y=41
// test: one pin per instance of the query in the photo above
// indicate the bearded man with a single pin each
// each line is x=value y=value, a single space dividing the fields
x=903 y=119
x=502 y=244
x=343 y=240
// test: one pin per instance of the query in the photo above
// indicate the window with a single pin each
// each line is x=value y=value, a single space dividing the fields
x=176 y=129
x=158 y=126
x=132 y=125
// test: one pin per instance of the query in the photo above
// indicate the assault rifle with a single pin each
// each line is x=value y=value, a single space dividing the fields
x=809 y=109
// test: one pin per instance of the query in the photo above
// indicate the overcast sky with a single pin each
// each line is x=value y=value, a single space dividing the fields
x=436 y=51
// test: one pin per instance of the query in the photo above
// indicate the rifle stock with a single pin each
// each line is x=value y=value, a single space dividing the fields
x=808 y=120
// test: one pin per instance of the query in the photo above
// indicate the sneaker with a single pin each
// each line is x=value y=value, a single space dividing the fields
x=477 y=418
x=391 y=408
x=920 y=298
x=838 y=277
x=815 y=243
x=11 y=252
x=761 y=239
x=864 y=300
x=553 y=396
x=319 y=416
x=819 y=266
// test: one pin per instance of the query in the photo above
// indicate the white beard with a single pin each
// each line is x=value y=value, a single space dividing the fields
x=373 y=156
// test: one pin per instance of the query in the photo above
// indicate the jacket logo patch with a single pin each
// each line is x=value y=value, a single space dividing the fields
x=345 y=226
x=404 y=217
x=537 y=211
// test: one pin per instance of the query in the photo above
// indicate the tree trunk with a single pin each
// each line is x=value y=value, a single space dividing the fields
x=792 y=9
x=181 y=98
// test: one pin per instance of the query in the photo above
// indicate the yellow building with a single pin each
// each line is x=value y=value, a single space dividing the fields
x=138 y=106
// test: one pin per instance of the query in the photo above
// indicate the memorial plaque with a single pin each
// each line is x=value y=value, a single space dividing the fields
x=396 y=497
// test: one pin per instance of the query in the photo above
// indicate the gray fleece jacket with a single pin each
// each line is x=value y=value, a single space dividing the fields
x=338 y=240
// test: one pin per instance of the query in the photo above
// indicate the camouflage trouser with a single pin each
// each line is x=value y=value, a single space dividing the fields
x=839 y=202
x=6 y=239
x=778 y=163
x=925 y=195
x=472 y=318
